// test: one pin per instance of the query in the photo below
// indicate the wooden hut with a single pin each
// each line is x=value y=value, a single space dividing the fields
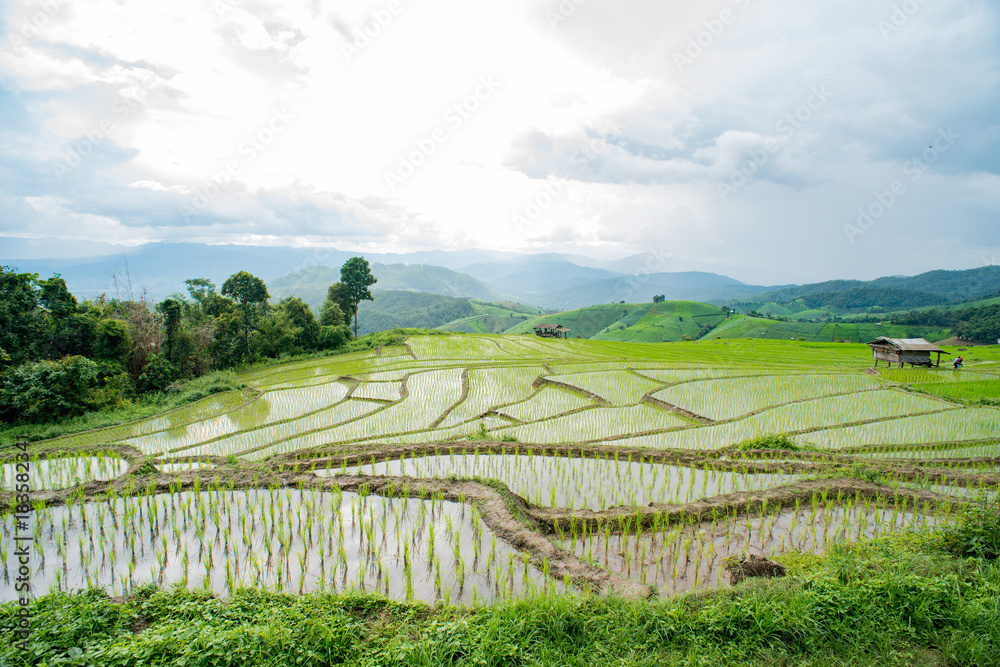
x=913 y=351
x=551 y=331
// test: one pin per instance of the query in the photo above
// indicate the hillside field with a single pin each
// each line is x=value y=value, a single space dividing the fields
x=482 y=470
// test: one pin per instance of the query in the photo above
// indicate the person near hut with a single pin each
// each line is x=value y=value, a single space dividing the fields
x=958 y=362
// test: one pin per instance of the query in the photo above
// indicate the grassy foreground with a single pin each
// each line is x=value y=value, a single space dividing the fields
x=902 y=600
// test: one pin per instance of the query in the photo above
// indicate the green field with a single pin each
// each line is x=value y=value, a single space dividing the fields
x=480 y=469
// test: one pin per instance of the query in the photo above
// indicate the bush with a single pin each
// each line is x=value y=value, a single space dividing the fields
x=769 y=442
x=332 y=337
x=48 y=390
x=157 y=375
x=977 y=532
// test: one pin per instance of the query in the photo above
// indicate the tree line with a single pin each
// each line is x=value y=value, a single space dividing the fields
x=61 y=357
x=981 y=324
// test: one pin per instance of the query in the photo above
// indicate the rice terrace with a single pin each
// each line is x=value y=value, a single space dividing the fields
x=476 y=468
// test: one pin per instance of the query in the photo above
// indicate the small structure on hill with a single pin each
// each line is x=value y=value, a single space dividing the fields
x=913 y=351
x=551 y=331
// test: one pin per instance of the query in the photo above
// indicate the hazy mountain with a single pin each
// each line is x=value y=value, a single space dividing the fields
x=311 y=284
x=392 y=309
x=932 y=286
x=685 y=286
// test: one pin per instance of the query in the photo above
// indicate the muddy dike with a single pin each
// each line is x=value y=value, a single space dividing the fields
x=531 y=528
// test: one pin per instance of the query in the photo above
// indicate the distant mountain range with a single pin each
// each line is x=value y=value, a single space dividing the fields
x=551 y=281
x=311 y=284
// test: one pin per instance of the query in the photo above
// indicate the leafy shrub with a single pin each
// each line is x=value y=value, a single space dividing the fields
x=977 y=532
x=157 y=375
x=332 y=337
x=769 y=442
x=47 y=390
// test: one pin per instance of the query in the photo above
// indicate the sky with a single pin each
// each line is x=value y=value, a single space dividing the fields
x=770 y=140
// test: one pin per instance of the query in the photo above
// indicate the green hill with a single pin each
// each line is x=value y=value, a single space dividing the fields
x=396 y=309
x=642 y=323
x=672 y=321
x=492 y=318
x=823 y=301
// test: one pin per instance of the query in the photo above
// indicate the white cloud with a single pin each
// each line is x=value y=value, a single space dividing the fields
x=202 y=83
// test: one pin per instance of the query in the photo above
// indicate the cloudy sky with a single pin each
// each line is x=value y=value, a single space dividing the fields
x=767 y=139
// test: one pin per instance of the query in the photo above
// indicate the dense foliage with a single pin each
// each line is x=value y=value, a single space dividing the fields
x=60 y=358
x=391 y=309
x=978 y=324
x=867 y=298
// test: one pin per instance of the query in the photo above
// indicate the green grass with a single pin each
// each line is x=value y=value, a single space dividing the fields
x=902 y=600
x=141 y=408
x=981 y=392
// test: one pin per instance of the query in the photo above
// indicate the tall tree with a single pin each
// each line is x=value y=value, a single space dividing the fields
x=171 y=309
x=357 y=277
x=21 y=324
x=302 y=318
x=335 y=311
x=250 y=293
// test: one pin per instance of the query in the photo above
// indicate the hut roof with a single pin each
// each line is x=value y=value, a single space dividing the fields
x=906 y=344
x=552 y=327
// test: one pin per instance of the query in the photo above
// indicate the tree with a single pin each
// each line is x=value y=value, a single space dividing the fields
x=335 y=310
x=171 y=309
x=302 y=318
x=113 y=340
x=250 y=293
x=56 y=298
x=44 y=391
x=157 y=374
x=357 y=277
x=330 y=338
x=276 y=334
x=21 y=324
x=200 y=289
x=227 y=344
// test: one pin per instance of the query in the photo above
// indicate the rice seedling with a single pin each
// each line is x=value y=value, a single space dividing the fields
x=207 y=539
x=580 y=483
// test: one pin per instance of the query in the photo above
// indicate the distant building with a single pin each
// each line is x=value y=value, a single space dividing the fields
x=551 y=331
x=913 y=351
